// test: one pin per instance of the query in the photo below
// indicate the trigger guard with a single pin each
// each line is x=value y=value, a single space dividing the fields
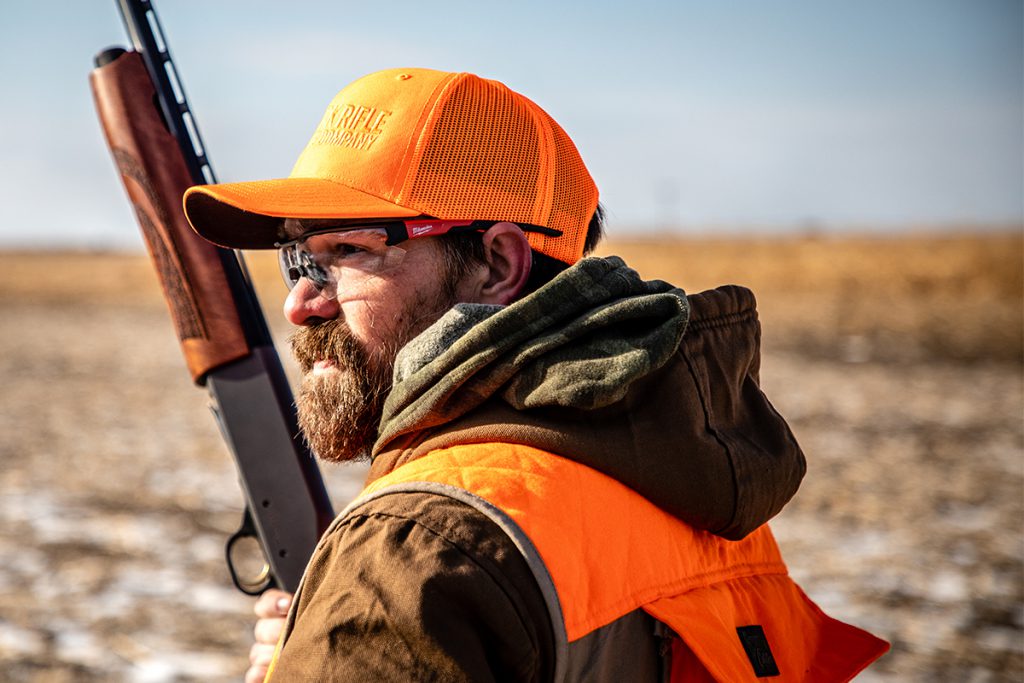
x=264 y=579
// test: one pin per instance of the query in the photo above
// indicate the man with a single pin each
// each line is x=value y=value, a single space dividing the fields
x=558 y=448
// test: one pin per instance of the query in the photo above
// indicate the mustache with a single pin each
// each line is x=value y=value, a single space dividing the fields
x=330 y=340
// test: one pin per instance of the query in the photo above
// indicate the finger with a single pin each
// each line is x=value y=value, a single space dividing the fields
x=256 y=674
x=268 y=631
x=273 y=603
x=261 y=655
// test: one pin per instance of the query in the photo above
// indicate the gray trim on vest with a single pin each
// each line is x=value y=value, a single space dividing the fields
x=515 y=534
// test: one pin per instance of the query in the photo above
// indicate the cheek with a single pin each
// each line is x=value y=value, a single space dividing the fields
x=388 y=325
x=388 y=312
x=381 y=324
x=369 y=320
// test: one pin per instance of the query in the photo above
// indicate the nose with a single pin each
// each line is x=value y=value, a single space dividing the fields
x=304 y=305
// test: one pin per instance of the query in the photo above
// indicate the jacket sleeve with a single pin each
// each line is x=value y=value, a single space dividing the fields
x=417 y=587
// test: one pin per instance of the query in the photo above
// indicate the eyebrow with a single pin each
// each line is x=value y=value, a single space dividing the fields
x=292 y=228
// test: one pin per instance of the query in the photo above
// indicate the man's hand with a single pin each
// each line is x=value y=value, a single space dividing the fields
x=271 y=608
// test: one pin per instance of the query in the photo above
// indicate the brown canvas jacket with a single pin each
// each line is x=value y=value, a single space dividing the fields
x=632 y=378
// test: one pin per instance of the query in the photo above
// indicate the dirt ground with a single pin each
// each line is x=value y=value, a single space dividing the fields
x=897 y=361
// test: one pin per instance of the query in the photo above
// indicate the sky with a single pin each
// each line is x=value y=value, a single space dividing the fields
x=693 y=117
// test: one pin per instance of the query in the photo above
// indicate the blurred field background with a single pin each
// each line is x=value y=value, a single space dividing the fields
x=897 y=359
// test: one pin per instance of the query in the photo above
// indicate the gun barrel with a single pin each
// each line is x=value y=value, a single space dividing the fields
x=221 y=329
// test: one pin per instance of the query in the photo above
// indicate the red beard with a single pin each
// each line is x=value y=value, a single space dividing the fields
x=340 y=409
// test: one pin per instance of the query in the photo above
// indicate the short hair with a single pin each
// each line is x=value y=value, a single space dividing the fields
x=461 y=251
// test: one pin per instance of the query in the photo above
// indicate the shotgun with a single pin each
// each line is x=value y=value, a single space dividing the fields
x=155 y=143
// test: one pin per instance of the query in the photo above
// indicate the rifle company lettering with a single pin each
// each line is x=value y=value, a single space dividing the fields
x=351 y=125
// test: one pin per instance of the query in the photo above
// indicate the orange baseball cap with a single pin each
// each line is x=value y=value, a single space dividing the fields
x=417 y=142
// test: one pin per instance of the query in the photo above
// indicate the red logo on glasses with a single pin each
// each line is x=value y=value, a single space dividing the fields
x=421 y=230
x=432 y=227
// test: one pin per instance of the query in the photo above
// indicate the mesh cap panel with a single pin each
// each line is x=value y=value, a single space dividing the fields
x=491 y=154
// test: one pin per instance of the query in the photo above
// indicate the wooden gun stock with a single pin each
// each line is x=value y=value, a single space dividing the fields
x=155 y=176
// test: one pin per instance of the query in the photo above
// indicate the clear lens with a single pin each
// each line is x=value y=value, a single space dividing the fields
x=336 y=260
x=297 y=264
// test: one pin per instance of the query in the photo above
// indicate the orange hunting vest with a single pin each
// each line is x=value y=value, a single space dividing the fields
x=600 y=551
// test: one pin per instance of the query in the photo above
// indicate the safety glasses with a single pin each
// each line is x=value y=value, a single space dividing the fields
x=334 y=258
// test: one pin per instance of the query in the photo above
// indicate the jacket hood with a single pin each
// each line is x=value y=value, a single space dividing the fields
x=630 y=377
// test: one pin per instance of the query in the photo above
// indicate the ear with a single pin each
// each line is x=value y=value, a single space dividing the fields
x=508 y=260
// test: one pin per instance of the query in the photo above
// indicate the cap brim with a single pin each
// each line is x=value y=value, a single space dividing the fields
x=248 y=215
